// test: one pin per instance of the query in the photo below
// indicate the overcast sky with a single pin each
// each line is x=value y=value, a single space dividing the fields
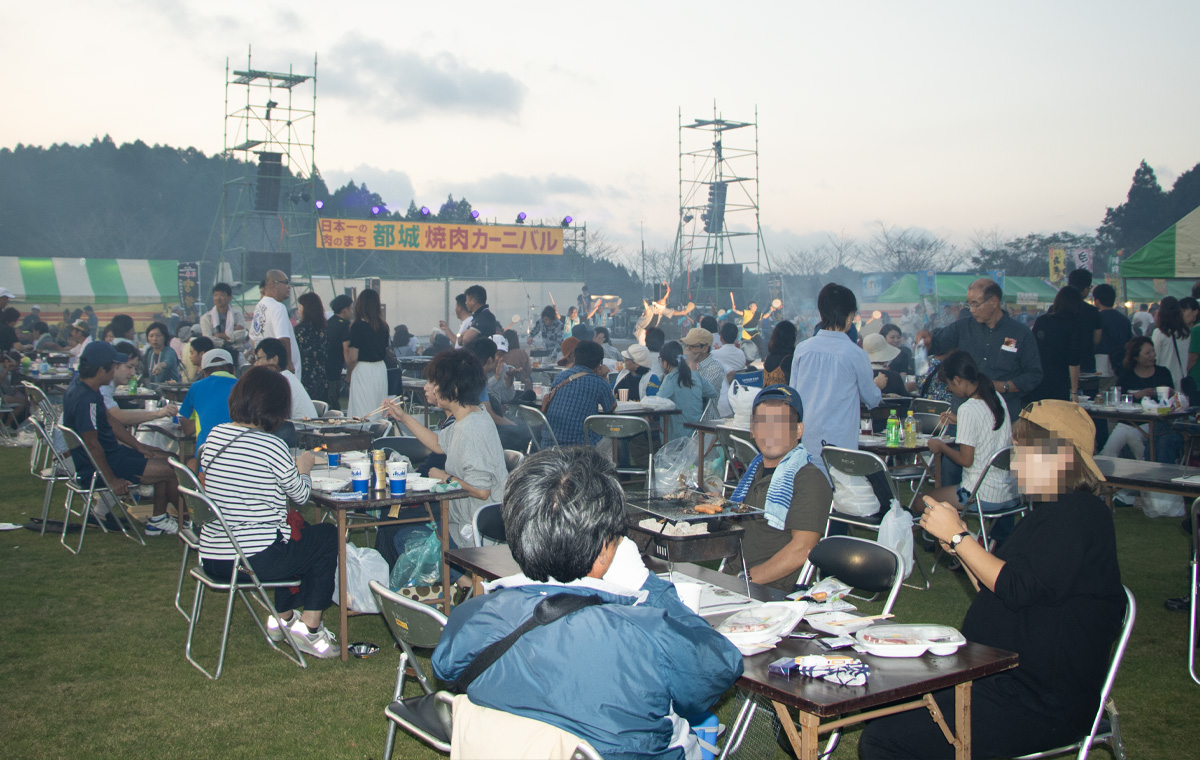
x=955 y=117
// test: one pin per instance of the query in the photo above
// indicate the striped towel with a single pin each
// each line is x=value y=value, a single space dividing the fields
x=779 y=493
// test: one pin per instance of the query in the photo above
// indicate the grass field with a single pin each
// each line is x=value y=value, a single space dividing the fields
x=92 y=665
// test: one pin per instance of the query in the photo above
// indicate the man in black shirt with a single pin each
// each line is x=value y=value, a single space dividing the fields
x=337 y=337
x=1089 y=319
x=1117 y=329
x=483 y=322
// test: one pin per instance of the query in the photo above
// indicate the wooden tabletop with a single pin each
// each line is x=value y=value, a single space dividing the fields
x=1137 y=415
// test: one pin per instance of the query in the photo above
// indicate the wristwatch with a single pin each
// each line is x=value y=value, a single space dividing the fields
x=957 y=539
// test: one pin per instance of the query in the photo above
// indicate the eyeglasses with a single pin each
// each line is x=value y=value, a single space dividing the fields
x=281 y=282
x=973 y=305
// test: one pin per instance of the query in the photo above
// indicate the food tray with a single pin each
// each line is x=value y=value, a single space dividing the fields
x=720 y=542
x=910 y=640
x=680 y=510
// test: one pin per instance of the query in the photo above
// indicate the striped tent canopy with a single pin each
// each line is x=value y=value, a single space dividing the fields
x=953 y=287
x=1174 y=253
x=95 y=281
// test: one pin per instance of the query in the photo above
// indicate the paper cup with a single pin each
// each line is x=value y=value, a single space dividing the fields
x=360 y=476
x=689 y=594
x=623 y=394
x=1164 y=393
x=334 y=457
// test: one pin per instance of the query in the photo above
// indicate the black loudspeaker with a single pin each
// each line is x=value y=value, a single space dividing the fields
x=258 y=263
x=724 y=276
x=659 y=291
x=266 y=195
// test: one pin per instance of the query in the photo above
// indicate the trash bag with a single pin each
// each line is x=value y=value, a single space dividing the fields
x=421 y=562
x=853 y=495
x=362 y=566
x=675 y=466
x=1156 y=504
x=896 y=531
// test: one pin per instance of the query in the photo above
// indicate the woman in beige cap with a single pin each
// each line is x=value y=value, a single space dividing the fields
x=1051 y=593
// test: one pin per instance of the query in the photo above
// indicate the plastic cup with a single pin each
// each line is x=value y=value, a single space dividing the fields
x=1164 y=393
x=397 y=478
x=623 y=394
x=689 y=594
x=360 y=476
x=334 y=458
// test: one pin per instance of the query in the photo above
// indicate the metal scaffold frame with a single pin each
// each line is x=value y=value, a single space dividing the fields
x=718 y=203
x=269 y=119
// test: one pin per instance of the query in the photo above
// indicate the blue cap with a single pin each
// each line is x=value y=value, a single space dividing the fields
x=98 y=353
x=781 y=393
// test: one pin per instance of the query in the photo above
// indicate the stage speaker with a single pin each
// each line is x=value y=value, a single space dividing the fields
x=258 y=263
x=266 y=194
x=723 y=276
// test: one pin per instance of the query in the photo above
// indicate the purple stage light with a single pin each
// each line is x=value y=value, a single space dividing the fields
x=424 y=211
x=474 y=214
x=521 y=216
x=374 y=209
x=320 y=205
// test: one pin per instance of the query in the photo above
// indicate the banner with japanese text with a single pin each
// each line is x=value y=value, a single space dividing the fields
x=376 y=235
x=189 y=286
x=1058 y=266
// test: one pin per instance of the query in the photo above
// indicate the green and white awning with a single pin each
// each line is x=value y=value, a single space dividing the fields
x=95 y=281
x=1174 y=253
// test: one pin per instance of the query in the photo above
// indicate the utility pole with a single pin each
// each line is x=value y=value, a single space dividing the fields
x=643 y=224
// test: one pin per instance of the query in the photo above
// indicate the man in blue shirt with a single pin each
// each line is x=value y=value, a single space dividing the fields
x=206 y=404
x=833 y=376
x=119 y=466
x=580 y=393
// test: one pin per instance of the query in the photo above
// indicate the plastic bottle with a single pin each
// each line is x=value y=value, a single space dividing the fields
x=133 y=385
x=921 y=360
x=910 y=430
x=45 y=368
x=893 y=429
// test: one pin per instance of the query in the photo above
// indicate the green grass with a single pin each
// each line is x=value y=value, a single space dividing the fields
x=92 y=665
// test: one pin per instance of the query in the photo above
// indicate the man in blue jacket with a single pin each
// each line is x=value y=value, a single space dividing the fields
x=618 y=674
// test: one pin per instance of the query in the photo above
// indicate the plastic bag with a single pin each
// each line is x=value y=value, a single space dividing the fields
x=675 y=465
x=362 y=566
x=853 y=495
x=1156 y=504
x=896 y=531
x=421 y=562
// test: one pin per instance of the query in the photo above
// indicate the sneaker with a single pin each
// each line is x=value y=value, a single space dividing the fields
x=1178 y=603
x=319 y=644
x=274 y=631
x=162 y=525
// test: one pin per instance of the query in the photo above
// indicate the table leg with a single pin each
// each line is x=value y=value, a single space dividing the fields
x=806 y=744
x=342 y=601
x=447 y=592
x=962 y=720
x=700 y=459
x=1151 y=437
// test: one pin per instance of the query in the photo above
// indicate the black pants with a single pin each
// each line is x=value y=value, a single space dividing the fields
x=312 y=560
x=1007 y=719
x=334 y=394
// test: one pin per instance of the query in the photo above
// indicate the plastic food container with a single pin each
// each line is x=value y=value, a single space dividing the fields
x=910 y=640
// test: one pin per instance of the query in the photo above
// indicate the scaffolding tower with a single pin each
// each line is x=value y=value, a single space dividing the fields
x=719 y=231
x=267 y=215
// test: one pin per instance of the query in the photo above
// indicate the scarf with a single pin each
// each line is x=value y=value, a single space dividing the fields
x=783 y=480
x=216 y=321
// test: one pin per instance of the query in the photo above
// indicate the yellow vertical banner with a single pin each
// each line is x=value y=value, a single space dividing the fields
x=1058 y=266
x=1160 y=286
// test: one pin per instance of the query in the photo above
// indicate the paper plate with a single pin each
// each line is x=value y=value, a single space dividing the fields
x=329 y=484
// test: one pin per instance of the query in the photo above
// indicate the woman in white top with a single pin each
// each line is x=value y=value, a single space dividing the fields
x=1172 y=339
x=983 y=428
x=250 y=475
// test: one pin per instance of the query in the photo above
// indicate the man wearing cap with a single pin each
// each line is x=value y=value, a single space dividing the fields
x=35 y=313
x=781 y=480
x=1051 y=593
x=206 y=404
x=697 y=346
x=637 y=364
x=271 y=319
x=119 y=465
x=5 y=294
x=80 y=338
x=221 y=322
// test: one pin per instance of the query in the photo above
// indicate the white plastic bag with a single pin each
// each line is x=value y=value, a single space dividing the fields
x=1156 y=504
x=741 y=400
x=896 y=531
x=853 y=495
x=362 y=566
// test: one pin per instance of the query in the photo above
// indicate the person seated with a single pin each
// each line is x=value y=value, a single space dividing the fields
x=250 y=475
x=611 y=354
x=781 y=349
x=162 y=363
x=512 y=436
x=776 y=546
x=12 y=394
x=206 y=404
x=196 y=349
x=81 y=337
x=654 y=340
x=271 y=353
x=903 y=363
x=637 y=364
x=123 y=462
x=40 y=337
x=122 y=373
x=578 y=393
x=518 y=358
x=1051 y=593
x=688 y=390
x=10 y=340
x=474 y=454
x=618 y=674
x=881 y=353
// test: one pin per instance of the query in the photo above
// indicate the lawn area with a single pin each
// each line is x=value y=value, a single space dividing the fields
x=92 y=662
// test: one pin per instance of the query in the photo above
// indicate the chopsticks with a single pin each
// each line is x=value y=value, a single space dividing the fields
x=855 y=620
x=375 y=411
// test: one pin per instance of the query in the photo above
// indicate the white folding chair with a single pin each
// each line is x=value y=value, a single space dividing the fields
x=1195 y=587
x=93 y=491
x=188 y=533
x=929 y=406
x=413 y=624
x=1105 y=730
x=620 y=427
x=533 y=417
x=46 y=464
x=243 y=579
x=322 y=407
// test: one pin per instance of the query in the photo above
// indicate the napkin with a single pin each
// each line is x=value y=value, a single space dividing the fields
x=845 y=671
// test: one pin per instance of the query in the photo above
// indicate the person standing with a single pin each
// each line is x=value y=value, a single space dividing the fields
x=337 y=345
x=483 y=322
x=310 y=337
x=1090 y=326
x=365 y=370
x=781 y=349
x=833 y=377
x=220 y=322
x=549 y=328
x=271 y=319
x=1062 y=343
x=1172 y=340
x=1143 y=321
x=1116 y=329
x=1003 y=348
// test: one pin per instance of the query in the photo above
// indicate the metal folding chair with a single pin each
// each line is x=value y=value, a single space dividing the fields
x=929 y=406
x=322 y=407
x=243 y=579
x=1000 y=461
x=908 y=473
x=46 y=464
x=532 y=417
x=1105 y=730
x=404 y=445
x=413 y=624
x=188 y=533
x=512 y=459
x=738 y=451
x=95 y=489
x=487 y=523
x=619 y=427
x=863 y=464
x=1194 y=588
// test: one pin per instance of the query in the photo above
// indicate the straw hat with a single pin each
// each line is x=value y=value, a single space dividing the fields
x=879 y=351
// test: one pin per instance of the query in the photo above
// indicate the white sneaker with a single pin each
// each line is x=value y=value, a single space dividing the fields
x=274 y=631
x=162 y=525
x=319 y=644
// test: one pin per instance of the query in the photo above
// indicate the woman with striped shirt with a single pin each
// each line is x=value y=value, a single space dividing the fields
x=250 y=475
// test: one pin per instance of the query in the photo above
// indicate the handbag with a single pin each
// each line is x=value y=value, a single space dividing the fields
x=550 y=395
x=1187 y=385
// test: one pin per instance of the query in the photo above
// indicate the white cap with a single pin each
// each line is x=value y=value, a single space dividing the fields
x=214 y=357
x=501 y=343
x=5 y=292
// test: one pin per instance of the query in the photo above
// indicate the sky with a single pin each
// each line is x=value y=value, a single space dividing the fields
x=957 y=118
